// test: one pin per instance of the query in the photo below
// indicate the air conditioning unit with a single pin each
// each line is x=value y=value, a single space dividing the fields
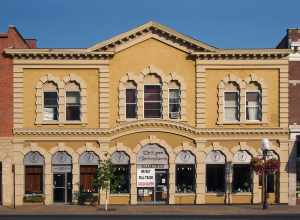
x=174 y=115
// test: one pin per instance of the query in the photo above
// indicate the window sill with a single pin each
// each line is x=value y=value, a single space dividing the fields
x=215 y=193
x=241 y=123
x=73 y=122
x=241 y=193
x=61 y=123
x=49 y=123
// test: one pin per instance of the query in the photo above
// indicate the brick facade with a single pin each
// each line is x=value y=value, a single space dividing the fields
x=11 y=39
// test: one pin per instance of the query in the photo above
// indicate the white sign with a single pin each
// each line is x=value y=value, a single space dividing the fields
x=145 y=177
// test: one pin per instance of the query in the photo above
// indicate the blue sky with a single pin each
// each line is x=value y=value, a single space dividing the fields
x=221 y=23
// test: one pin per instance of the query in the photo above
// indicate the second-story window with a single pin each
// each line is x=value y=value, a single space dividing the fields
x=174 y=100
x=152 y=101
x=73 y=106
x=50 y=96
x=231 y=106
x=131 y=100
x=253 y=102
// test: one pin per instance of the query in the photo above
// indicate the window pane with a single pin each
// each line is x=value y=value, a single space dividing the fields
x=50 y=99
x=215 y=178
x=252 y=97
x=73 y=98
x=50 y=113
x=123 y=176
x=152 y=89
x=152 y=97
x=152 y=113
x=131 y=111
x=185 y=178
x=174 y=93
x=253 y=106
x=130 y=96
x=152 y=105
x=174 y=107
x=241 y=178
x=231 y=99
x=231 y=114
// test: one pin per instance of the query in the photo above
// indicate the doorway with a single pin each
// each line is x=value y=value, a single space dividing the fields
x=62 y=183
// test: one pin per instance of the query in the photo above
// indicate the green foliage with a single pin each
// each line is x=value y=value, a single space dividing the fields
x=34 y=198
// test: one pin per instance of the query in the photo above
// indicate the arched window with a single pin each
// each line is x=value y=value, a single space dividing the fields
x=131 y=99
x=174 y=100
x=152 y=96
x=73 y=101
x=34 y=173
x=241 y=181
x=121 y=166
x=50 y=102
x=185 y=172
x=253 y=102
x=231 y=102
x=88 y=162
x=215 y=171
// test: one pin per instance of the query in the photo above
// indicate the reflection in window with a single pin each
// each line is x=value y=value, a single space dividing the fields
x=73 y=106
x=123 y=180
x=253 y=106
x=50 y=106
x=231 y=106
x=174 y=103
x=185 y=178
x=215 y=177
x=131 y=103
x=87 y=176
x=33 y=179
x=241 y=178
x=152 y=101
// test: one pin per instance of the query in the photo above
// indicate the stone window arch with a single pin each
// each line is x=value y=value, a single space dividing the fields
x=76 y=93
x=254 y=84
x=230 y=99
x=49 y=86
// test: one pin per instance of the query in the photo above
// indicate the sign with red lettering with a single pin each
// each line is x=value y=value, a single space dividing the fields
x=145 y=177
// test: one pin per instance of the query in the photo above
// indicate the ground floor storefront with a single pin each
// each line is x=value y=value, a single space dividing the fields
x=154 y=167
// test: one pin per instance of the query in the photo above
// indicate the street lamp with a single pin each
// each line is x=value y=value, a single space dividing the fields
x=265 y=147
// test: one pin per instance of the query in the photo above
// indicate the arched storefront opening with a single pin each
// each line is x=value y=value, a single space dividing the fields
x=121 y=166
x=152 y=174
x=88 y=162
x=34 y=173
x=62 y=177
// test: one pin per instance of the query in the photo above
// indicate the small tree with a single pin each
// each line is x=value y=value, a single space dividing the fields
x=105 y=179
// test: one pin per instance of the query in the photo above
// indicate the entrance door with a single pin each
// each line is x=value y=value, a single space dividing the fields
x=161 y=186
x=59 y=183
x=62 y=192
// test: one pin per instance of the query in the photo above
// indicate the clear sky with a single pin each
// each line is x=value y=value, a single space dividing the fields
x=221 y=23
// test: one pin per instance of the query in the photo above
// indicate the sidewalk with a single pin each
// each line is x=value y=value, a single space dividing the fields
x=150 y=210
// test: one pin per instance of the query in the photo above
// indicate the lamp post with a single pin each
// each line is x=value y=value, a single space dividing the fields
x=265 y=146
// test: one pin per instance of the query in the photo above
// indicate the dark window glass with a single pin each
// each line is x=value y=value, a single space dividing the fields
x=73 y=106
x=131 y=103
x=174 y=103
x=123 y=179
x=50 y=106
x=253 y=106
x=87 y=176
x=185 y=178
x=33 y=179
x=241 y=178
x=215 y=178
x=271 y=183
x=152 y=101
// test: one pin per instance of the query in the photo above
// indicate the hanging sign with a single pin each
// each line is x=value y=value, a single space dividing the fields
x=145 y=177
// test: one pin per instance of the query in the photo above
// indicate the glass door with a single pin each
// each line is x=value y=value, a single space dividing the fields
x=161 y=186
x=59 y=182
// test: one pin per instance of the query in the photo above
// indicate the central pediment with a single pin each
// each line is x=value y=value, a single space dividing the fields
x=152 y=30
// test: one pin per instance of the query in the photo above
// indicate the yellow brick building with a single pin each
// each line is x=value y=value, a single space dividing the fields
x=180 y=120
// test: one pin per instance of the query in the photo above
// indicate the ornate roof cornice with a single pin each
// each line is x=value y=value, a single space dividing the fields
x=243 y=54
x=149 y=125
x=57 y=54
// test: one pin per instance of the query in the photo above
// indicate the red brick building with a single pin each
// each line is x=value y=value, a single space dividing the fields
x=292 y=40
x=11 y=39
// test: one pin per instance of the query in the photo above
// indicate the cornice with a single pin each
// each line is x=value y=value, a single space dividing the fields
x=149 y=125
x=64 y=54
x=247 y=54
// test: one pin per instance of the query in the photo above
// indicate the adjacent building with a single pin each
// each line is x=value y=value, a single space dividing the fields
x=180 y=120
x=11 y=39
x=292 y=40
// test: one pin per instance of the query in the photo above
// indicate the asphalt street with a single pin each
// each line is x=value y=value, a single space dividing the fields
x=146 y=217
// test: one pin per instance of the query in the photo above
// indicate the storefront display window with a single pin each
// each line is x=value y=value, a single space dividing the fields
x=241 y=178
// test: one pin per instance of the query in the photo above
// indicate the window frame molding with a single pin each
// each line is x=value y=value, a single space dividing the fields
x=238 y=106
x=139 y=80
x=61 y=91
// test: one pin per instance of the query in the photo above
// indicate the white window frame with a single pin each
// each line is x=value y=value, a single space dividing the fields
x=80 y=114
x=238 y=106
x=43 y=107
x=259 y=106
x=179 y=112
x=161 y=101
x=136 y=102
